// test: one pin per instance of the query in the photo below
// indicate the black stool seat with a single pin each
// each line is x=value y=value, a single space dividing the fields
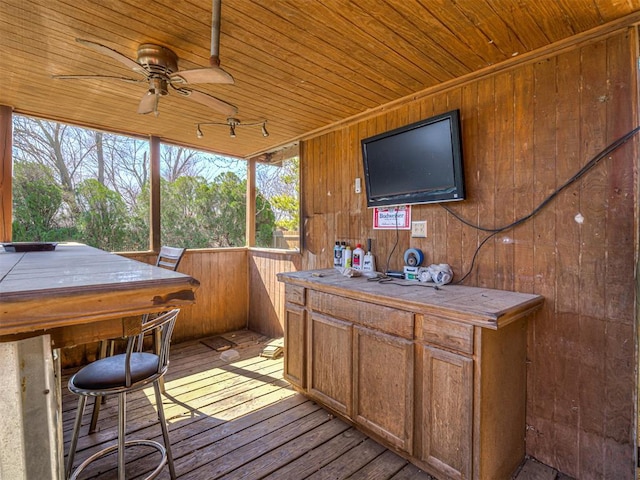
x=110 y=372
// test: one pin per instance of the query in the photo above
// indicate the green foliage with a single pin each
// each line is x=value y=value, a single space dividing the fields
x=102 y=217
x=201 y=214
x=227 y=210
x=36 y=201
x=290 y=205
x=265 y=221
x=181 y=200
x=282 y=186
x=140 y=219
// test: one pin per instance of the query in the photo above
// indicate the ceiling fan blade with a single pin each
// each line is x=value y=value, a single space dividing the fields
x=209 y=100
x=132 y=64
x=97 y=77
x=213 y=74
x=149 y=104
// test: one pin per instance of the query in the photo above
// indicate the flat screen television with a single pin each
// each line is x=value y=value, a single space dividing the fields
x=417 y=163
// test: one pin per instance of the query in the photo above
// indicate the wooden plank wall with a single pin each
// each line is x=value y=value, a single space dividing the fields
x=527 y=129
x=266 y=299
x=221 y=300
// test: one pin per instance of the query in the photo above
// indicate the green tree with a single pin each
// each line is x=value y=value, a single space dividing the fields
x=227 y=210
x=201 y=214
x=265 y=220
x=103 y=215
x=181 y=218
x=287 y=201
x=139 y=220
x=36 y=201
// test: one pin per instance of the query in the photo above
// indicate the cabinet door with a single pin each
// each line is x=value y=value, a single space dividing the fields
x=329 y=370
x=383 y=397
x=295 y=341
x=447 y=412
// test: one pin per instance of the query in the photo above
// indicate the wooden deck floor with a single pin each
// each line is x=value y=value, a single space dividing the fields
x=235 y=421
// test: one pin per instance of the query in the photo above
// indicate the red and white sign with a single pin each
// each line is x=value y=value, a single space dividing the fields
x=392 y=218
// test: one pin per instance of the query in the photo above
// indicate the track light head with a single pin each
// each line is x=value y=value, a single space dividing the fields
x=199 y=133
x=264 y=129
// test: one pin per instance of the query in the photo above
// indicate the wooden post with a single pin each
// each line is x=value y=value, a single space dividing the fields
x=154 y=197
x=6 y=113
x=251 y=203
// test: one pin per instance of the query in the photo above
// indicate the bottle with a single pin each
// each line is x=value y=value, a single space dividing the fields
x=343 y=247
x=358 y=257
x=368 y=263
x=337 y=255
x=347 y=257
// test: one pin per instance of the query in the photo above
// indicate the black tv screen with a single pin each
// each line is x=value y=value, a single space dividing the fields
x=417 y=163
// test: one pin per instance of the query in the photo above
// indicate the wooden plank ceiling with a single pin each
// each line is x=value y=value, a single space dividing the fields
x=300 y=64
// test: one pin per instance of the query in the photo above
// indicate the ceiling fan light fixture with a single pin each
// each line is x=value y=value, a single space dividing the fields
x=158 y=86
x=232 y=130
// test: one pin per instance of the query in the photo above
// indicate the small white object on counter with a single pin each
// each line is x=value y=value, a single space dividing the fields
x=350 y=272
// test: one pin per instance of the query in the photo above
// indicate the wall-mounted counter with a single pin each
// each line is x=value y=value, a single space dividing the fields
x=437 y=375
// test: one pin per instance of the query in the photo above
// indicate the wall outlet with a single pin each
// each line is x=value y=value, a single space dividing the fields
x=419 y=229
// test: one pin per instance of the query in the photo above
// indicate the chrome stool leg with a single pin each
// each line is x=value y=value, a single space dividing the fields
x=122 y=426
x=82 y=400
x=165 y=430
x=106 y=348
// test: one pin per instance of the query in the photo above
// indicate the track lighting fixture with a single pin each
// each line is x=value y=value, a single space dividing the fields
x=232 y=123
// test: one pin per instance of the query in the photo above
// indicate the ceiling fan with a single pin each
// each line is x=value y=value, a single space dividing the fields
x=158 y=66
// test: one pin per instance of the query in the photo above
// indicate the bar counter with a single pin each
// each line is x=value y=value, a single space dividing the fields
x=48 y=300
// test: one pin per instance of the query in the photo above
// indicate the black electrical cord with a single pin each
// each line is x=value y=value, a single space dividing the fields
x=494 y=231
x=395 y=245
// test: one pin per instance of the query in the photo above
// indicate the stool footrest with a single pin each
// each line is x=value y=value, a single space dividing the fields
x=114 y=448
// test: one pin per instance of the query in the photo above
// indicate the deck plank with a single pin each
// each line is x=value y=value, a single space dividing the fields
x=384 y=465
x=290 y=445
x=347 y=463
x=411 y=472
x=231 y=421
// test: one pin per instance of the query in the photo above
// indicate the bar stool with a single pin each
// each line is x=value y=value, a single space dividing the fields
x=121 y=374
x=169 y=258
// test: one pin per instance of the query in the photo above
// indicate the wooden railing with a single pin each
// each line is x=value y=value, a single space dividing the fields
x=266 y=299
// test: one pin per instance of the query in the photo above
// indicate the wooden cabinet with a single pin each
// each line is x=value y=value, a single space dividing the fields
x=383 y=386
x=445 y=411
x=329 y=354
x=435 y=375
x=295 y=332
x=295 y=336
